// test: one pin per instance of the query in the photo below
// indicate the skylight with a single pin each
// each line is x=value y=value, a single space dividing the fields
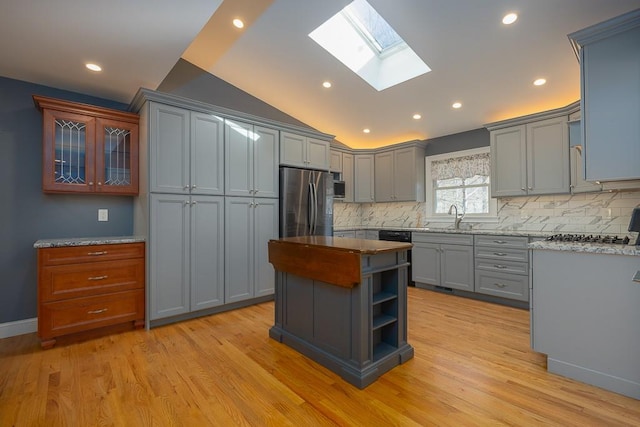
x=363 y=41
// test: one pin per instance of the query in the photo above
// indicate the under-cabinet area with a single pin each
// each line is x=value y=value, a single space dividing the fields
x=88 y=284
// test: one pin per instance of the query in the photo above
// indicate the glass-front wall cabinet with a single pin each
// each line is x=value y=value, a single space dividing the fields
x=88 y=149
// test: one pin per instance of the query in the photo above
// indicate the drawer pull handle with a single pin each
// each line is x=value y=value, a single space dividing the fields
x=500 y=242
x=500 y=266
x=500 y=285
x=500 y=254
x=97 y=278
x=102 y=310
x=97 y=253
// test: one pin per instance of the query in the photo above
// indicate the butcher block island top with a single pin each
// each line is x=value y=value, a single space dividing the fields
x=343 y=303
x=334 y=260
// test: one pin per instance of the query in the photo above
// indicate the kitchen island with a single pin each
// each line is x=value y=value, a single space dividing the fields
x=342 y=302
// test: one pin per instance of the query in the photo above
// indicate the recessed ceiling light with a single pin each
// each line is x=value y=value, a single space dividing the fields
x=238 y=23
x=326 y=85
x=93 y=67
x=539 y=82
x=417 y=116
x=456 y=105
x=366 y=130
x=509 y=18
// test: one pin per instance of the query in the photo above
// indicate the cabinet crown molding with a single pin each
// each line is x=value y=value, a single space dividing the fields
x=550 y=114
x=46 y=103
x=144 y=95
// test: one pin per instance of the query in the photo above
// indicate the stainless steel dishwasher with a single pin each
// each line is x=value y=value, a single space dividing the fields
x=399 y=236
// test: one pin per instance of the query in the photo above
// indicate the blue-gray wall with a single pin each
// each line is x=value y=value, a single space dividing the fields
x=457 y=142
x=26 y=214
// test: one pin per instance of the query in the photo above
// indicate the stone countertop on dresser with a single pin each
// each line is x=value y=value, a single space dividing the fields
x=86 y=241
x=595 y=248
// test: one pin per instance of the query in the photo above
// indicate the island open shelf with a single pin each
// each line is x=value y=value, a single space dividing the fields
x=343 y=303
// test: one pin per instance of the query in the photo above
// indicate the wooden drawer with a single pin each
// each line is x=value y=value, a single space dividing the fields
x=512 y=286
x=78 y=280
x=92 y=253
x=81 y=314
x=502 y=242
x=502 y=254
x=501 y=266
x=443 y=238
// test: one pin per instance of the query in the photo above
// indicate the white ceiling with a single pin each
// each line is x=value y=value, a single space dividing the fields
x=475 y=59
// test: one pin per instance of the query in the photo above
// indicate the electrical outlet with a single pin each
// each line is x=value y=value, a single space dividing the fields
x=103 y=214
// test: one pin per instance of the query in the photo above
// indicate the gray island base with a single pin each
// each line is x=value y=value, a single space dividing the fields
x=343 y=303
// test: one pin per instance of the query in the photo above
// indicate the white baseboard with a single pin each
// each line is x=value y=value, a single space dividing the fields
x=19 y=327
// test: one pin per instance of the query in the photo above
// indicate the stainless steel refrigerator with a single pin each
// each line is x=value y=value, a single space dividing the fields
x=306 y=203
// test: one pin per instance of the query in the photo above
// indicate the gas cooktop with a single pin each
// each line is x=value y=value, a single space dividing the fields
x=584 y=238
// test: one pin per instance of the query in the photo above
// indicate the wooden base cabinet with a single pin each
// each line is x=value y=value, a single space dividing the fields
x=83 y=288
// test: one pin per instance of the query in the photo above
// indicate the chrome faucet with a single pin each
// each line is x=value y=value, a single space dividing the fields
x=458 y=219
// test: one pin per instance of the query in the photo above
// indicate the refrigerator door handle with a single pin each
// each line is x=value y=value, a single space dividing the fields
x=315 y=208
x=310 y=209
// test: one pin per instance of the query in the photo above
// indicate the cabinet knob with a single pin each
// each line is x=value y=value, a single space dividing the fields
x=186 y=187
x=193 y=186
x=99 y=183
x=90 y=183
x=530 y=188
x=523 y=189
x=194 y=203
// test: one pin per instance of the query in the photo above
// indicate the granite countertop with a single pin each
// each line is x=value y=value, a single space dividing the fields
x=596 y=248
x=520 y=233
x=360 y=246
x=86 y=241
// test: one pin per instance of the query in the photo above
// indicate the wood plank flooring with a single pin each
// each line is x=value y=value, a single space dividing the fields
x=472 y=367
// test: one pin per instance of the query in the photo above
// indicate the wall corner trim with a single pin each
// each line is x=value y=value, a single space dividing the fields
x=19 y=327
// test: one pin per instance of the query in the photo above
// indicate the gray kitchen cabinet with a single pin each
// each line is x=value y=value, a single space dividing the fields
x=303 y=151
x=185 y=151
x=251 y=154
x=186 y=257
x=609 y=54
x=342 y=169
x=584 y=311
x=367 y=234
x=336 y=161
x=530 y=158
x=578 y=183
x=502 y=266
x=442 y=259
x=399 y=175
x=364 y=178
x=250 y=224
x=348 y=177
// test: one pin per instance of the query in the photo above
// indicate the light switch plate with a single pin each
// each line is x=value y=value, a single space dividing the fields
x=103 y=214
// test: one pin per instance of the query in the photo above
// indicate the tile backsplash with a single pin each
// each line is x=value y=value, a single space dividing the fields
x=599 y=213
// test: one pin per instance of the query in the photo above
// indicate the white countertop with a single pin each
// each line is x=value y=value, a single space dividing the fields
x=596 y=248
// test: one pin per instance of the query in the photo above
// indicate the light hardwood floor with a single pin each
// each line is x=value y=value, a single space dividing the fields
x=472 y=367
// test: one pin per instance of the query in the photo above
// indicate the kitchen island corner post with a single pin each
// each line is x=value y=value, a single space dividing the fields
x=342 y=303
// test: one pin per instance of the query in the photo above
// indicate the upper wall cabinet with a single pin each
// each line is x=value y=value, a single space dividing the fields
x=609 y=55
x=342 y=165
x=187 y=151
x=304 y=152
x=251 y=160
x=88 y=149
x=364 y=190
x=399 y=175
x=530 y=155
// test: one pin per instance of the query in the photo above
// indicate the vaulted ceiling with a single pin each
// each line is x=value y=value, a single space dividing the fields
x=476 y=60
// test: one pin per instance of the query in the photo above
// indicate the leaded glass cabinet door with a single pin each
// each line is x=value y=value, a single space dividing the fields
x=68 y=155
x=116 y=157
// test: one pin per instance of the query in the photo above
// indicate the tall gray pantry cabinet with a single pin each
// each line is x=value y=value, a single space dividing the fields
x=203 y=240
x=251 y=220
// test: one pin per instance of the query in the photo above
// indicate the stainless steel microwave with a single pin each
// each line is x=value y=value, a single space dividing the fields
x=338 y=189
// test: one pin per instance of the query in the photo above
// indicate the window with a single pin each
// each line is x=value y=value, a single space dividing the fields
x=463 y=179
x=362 y=40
